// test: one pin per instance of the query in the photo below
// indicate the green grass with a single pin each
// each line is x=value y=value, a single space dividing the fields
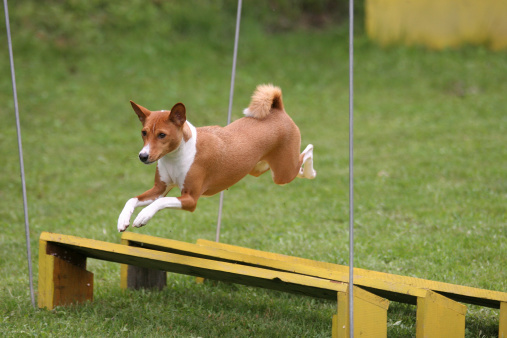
x=430 y=163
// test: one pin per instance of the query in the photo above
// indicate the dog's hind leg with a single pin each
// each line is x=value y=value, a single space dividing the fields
x=306 y=170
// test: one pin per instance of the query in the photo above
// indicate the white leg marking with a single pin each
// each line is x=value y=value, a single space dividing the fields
x=162 y=203
x=306 y=170
x=124 y=219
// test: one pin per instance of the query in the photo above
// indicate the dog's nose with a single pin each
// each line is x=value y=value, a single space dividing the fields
x=143 y=157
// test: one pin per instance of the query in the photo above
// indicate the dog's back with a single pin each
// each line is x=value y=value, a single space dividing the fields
x=266 y=133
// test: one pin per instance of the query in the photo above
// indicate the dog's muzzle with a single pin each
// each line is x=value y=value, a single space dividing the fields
x=144 y=157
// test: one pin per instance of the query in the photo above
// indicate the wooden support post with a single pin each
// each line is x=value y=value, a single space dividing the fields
x=63 y=278
x=370 y=315
x=439 y=316
x=136 y=277
x=502 y=330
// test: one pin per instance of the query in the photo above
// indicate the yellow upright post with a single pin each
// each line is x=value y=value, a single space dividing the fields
x=370 y=315
x=63 y=278
x=502 y=330
x=124 y=268
x=439 y=316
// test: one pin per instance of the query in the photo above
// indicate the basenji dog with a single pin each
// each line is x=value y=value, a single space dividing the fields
x=204 y=161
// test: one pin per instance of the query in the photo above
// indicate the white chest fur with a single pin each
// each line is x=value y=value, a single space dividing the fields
x=173 y=167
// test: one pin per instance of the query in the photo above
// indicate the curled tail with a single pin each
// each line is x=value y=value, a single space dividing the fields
x=264 y=99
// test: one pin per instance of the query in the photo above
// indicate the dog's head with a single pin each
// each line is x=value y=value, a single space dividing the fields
x=162 y=131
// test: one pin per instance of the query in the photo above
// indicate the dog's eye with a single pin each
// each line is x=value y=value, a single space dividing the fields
x=161 y=135
x=143 y=133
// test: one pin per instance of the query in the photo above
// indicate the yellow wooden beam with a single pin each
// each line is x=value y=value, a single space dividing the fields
x=370 y=315
x=439 y=317
x=267 y=260
x=194 y=266
x=390 y=286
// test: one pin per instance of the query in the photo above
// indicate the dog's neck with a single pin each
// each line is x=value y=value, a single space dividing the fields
x=173 y=167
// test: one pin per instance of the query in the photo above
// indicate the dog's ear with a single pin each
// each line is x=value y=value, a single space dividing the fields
x=178 y=114
x=141 y=112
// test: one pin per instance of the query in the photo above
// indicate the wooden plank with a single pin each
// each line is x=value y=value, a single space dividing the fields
x=370 y=315
x=199 y=267
x=439 y=317
x=212 y=250
x=390 y=286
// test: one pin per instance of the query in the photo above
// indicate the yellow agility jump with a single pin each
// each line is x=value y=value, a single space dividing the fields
x=63 y=279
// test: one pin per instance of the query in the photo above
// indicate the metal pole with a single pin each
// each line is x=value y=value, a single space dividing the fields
x=351 y=168
x=20 y=150
x=231 y=95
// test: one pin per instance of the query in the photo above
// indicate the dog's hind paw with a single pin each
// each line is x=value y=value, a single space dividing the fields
x=306 y=170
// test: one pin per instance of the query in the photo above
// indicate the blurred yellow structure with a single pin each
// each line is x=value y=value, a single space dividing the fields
x=438 y=24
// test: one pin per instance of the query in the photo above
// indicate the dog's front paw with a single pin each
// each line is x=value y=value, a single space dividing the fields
x=123 y=222
x=124 y=218
x=143 y=217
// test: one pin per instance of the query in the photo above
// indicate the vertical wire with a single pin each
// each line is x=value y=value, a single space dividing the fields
x=20 y=150
x=351 y=168
x=231 y=96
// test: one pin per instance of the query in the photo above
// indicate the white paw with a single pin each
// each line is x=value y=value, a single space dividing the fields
x=307 y=173
x=123 y=222
x=306 y=170
x=124 y=218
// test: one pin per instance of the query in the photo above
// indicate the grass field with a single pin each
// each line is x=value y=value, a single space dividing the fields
x=430 y=163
